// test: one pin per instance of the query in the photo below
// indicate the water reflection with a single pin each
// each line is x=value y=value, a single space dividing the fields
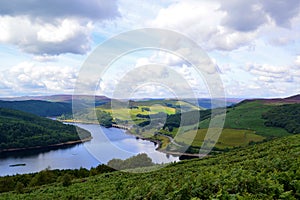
x=113 y=143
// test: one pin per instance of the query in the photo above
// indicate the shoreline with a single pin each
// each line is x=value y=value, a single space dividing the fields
x=69 y=143
x=157 y=142
x=158 y=148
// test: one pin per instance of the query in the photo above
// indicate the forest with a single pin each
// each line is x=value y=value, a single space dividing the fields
x=23 y=130
x=38 y=107
x=284 y=116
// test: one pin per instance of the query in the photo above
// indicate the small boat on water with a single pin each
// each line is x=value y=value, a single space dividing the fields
x=17 y=165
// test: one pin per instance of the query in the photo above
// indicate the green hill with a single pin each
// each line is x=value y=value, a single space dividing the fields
x=264 y=171
x=23 y=130
x=248 y=122
x=37 y=107
x=248 y=115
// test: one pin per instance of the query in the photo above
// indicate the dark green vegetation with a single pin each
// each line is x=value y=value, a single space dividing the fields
x=27 y=182
x=37 y=107
x=284 y=116
x=263 y=171
x=189 y=118
x=47 y=176
x=140 y=160
x=23 y=130
x=105 y=119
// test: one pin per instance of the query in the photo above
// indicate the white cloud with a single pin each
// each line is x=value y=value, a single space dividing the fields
x=54 y=34
x=30 y=78
x=203 y=22
x=227 y=25
x=65 y=36
x=52 y=27
x=269 y=73
x=297 y=61
x=262 y=33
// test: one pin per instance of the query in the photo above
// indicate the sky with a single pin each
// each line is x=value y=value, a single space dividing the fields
x=254 y=45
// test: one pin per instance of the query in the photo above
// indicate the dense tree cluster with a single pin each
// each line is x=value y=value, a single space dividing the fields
x=23 y=130
x=37 y=107
x=140 y=160
x=189 y=118
x=284 y=116
x=105 y=119
x=153 y=116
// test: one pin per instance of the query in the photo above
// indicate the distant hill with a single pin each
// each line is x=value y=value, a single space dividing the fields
x=295 y=99
x=288 y=100
x=23 y=130
x=38 y=107
x=207 y=103
x=203 y=103
x=54 y=105
x=56 y=98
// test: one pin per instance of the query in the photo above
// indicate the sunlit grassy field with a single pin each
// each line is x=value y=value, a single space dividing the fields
x=229 y=138
x=248 y=116
x=130 y=114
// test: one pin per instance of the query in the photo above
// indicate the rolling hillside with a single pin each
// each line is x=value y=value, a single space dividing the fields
x=247 y=122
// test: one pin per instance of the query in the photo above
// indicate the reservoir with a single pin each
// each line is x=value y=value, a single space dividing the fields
x=106 y=144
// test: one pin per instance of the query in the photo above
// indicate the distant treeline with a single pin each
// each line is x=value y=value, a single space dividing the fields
x=37 y=107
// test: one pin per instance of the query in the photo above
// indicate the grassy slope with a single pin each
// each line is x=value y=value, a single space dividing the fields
x=264 y=171
x=243 y=124
x=248 y=115
x=229 y=138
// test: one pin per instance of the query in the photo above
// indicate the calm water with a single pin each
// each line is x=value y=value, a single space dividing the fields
x=105 y=145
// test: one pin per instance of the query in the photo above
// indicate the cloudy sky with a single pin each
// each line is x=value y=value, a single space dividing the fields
x=255 y=44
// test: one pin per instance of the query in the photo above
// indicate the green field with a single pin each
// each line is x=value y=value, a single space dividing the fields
x=130 y=114
x=229 y=138
x=248 y=115
x=141 y=107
